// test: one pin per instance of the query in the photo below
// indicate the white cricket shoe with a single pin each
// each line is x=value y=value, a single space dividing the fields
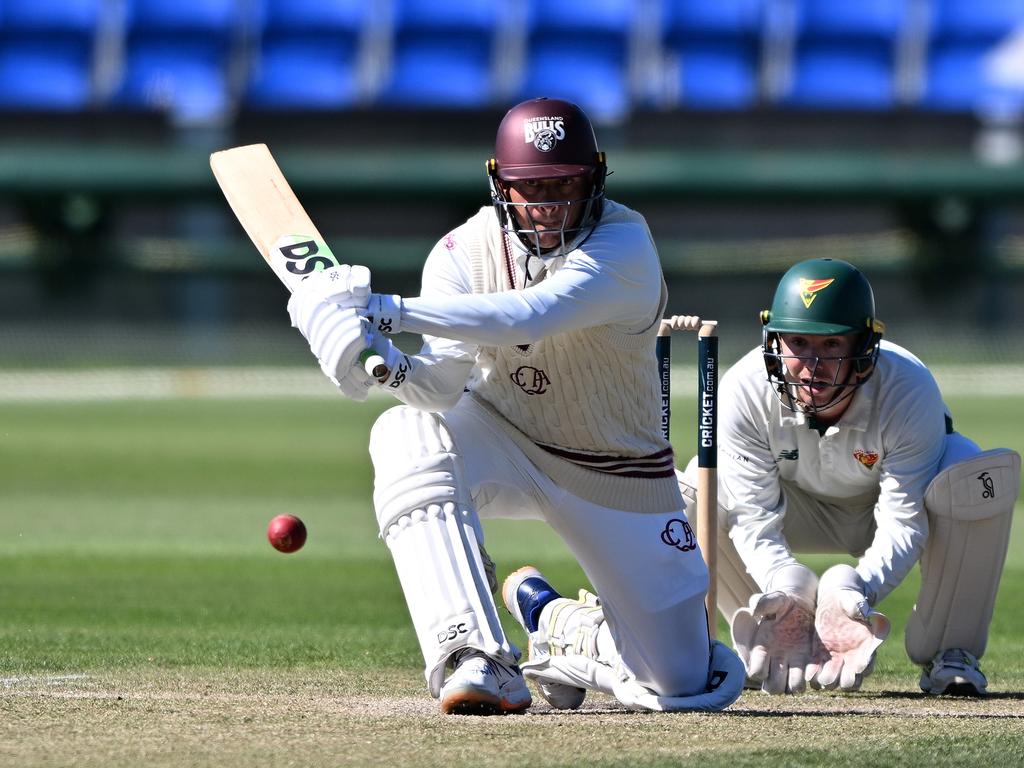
x=481 y=685
x=525 y=593
x=954 y=673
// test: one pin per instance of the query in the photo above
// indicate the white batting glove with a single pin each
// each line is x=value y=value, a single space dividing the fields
x=336 y=336
x=357 y=382
x=344 y=285
x=848 y=630
x=384 y=311
x=773 y=637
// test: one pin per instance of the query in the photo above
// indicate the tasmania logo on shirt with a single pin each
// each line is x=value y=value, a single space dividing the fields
x=867 y=458
x=809 y=289
x=544 y=132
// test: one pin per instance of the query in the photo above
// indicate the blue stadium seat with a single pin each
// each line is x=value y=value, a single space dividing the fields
x=579 y=50
x=47 y=50
x=444 y=53
x=308 y=54
x=963 y=34
x=846 y=54
x=713 y=51
x=178 y=54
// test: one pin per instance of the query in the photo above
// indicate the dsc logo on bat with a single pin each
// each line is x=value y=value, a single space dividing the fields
x=304 y=255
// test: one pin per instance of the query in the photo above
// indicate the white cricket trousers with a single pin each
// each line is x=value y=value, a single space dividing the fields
x=651 y=584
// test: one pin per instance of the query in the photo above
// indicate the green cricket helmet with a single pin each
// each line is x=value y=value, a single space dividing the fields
x=822 y=297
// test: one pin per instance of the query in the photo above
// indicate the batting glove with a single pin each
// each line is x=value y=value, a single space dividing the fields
x=336 y=336
x=358 y=381
x=385 y=312
x=343 y=285
x=848 y=630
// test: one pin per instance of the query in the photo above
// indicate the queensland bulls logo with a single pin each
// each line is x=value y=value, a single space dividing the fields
x=809 y=289
x=532 y=381
x=544 y=132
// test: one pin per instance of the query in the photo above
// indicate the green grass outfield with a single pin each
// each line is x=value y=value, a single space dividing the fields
x=144 y=619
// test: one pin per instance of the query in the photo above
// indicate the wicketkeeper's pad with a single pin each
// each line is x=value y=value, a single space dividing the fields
x=970 y=506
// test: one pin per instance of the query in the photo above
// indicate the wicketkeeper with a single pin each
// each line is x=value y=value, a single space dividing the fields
x=535 y=395
x=834 y=441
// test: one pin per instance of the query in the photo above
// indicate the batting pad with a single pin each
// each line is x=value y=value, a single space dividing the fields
x=970 y=507
x=432 y=529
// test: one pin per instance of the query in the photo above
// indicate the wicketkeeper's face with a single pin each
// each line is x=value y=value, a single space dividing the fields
x=819 y=366
x=549 y=206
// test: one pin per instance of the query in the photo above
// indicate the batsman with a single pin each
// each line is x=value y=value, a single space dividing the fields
x=535 y=395
x=833 y=440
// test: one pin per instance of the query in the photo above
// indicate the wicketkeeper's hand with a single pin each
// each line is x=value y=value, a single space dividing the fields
x=848 y=631
x=773 y=637
x=343 y=285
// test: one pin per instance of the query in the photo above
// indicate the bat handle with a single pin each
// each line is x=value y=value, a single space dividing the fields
x=374 y=364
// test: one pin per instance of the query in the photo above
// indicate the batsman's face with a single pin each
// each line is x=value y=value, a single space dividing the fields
x=548 y=206
x=819 y=365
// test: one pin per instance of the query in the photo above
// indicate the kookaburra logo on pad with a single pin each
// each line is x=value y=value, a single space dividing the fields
x=988 y=488
x=544 y=132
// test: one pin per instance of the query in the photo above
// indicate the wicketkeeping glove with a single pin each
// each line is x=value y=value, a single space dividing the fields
x=848 y=630
x=773 y=637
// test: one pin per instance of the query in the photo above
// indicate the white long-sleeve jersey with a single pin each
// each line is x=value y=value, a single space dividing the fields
x=614 y=279
x=884 y=451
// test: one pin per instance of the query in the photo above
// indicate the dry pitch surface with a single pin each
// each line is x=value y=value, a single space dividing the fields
x=331 y=719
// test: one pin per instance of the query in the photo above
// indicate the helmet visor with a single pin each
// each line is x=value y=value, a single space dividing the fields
x=522 y=172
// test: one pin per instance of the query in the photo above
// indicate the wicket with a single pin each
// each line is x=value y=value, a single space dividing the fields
x=707 y=436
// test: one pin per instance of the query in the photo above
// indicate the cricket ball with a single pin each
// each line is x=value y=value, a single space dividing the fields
x=286 y=533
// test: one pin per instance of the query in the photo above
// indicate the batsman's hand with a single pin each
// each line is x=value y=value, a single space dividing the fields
x=384 y=311
x=336 y=336
x=773 y=637
x=357 y=381
x=848 y=632
x=344 y=285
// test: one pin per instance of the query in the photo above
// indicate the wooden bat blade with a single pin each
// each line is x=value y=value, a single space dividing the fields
x=278 y=225
x=270 y=212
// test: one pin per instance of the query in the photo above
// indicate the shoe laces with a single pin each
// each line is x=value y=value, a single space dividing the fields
x=959 y=657
x=501 y=670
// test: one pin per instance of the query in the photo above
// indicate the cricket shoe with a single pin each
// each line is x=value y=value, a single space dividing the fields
x=482 y=685
x=525 y=593
x=954 y=673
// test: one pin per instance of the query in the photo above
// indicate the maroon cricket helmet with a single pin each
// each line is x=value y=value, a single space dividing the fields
x=545 y=138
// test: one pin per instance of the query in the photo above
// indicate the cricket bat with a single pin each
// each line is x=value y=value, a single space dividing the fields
x=276 y=222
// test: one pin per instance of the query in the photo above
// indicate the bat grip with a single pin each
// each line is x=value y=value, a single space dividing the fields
x=374 y=364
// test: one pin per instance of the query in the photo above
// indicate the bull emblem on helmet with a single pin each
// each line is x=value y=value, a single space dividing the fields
x=545 y=140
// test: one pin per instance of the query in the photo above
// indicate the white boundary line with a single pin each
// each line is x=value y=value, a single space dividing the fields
x=100 y=384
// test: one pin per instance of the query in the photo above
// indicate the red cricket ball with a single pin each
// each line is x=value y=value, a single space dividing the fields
x=286 y=533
